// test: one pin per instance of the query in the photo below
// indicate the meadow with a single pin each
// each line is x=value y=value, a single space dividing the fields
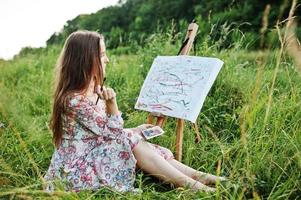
x=250 y=122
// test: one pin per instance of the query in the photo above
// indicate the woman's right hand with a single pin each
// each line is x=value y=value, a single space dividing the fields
x=107 y=94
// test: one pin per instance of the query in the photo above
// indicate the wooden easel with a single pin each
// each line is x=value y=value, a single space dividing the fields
x=185 y=49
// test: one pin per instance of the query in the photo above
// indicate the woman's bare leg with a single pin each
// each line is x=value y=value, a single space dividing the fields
x=205 y=178
x=149 y=161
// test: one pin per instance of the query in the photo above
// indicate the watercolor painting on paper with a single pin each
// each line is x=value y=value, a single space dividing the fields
x=177 y=86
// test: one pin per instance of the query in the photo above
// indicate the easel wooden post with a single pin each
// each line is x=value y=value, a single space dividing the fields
x=190 y=36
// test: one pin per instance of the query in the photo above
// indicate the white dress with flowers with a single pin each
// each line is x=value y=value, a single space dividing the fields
x=96 y=150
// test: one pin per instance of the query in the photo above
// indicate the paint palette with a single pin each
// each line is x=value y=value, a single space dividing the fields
x=152 y=132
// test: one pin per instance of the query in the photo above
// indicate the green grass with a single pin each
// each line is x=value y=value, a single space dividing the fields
x=254 y=141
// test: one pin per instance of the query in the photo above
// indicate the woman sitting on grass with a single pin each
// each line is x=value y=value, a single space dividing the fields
x=93 y=149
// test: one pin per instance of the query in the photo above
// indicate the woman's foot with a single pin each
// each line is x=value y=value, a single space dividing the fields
x=208 y=179
x=197 y=186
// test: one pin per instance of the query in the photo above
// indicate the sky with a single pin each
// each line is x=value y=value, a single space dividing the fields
x=32 y=22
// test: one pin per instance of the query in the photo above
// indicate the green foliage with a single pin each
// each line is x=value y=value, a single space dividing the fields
x=136 y=20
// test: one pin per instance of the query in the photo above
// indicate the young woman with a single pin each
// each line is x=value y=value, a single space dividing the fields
x=93 y=149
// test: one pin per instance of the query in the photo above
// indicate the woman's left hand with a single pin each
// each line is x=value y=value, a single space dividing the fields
x=143 y=127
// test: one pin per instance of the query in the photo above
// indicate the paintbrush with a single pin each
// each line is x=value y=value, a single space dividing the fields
x=101 y=89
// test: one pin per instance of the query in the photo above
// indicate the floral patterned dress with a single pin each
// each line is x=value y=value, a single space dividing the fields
x=96 y=150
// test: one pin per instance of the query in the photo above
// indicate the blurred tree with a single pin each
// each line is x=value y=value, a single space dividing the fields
x=134 y=20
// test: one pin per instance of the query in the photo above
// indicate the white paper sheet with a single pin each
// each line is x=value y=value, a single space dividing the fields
x=177 y=86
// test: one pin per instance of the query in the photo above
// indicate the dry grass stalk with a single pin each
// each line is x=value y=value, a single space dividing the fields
x=282 y=40
x=291 y=41
x=265 y=24
x=293 y=47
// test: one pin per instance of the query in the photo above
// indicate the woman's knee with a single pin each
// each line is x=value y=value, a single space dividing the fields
x=144 y=151
x=140 y=149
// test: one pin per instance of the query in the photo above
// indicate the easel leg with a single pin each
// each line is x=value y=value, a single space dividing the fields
x=179 y=142
x=161 y=121
x=150 y=119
